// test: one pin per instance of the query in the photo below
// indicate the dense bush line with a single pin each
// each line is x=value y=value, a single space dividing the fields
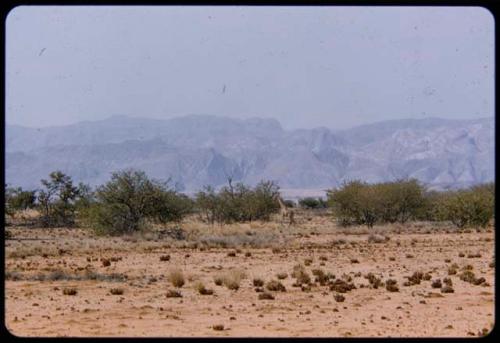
x=131 y=201
x=238 y=203
x=359 y=203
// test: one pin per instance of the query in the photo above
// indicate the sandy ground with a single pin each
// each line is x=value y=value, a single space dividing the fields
x=39 y=308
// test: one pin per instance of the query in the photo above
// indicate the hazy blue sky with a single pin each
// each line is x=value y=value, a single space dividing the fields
x=305 y=66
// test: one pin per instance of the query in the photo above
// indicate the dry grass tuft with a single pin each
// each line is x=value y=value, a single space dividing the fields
x=231 y=279
x=176 y=278
x=374 y=238
x=200 y=287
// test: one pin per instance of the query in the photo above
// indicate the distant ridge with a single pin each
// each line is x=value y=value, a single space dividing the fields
x=198 y=150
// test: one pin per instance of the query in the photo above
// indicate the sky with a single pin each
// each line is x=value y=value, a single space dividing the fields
x=336 y=67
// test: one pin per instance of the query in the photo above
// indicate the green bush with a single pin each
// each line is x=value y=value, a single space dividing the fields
x=354 y=203
x=472 y=207
x=312 y=203
x=56 y=202
x=129 y=200
x=238 y=203
x=360 y=203
x=16 y=199
x=400 y=201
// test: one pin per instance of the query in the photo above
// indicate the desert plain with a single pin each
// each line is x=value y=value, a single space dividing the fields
x=335 y=281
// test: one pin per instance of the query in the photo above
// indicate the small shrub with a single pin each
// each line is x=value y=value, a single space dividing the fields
x=275 y=286
x=70 y=291
x=303 y=278
x=281 y=276
x=116 y=291
x=266 y=296
x=339 y=298
x=479 y=281
x=258 y=282
x=164 y=258
x=341 y=286
x=467 y=276
x=447 y=281
x=173 y=294
x=218 y=327
x=375 y=282
x=447 y=289
x=436 y=283
x=391 y=285
x=232 y=279
x=200 y=287
x=219 y=280
x=321 y=277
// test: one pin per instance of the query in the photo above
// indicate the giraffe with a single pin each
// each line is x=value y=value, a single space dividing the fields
x=286 y=213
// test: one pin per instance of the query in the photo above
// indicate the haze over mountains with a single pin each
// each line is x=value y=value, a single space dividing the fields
x=198 y=150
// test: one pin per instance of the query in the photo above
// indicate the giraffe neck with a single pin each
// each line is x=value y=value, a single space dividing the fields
x=282 y=205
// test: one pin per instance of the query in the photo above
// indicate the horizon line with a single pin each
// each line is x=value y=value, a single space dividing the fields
x=242 y=119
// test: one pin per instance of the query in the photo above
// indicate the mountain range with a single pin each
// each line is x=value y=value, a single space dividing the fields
x=198 y=150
